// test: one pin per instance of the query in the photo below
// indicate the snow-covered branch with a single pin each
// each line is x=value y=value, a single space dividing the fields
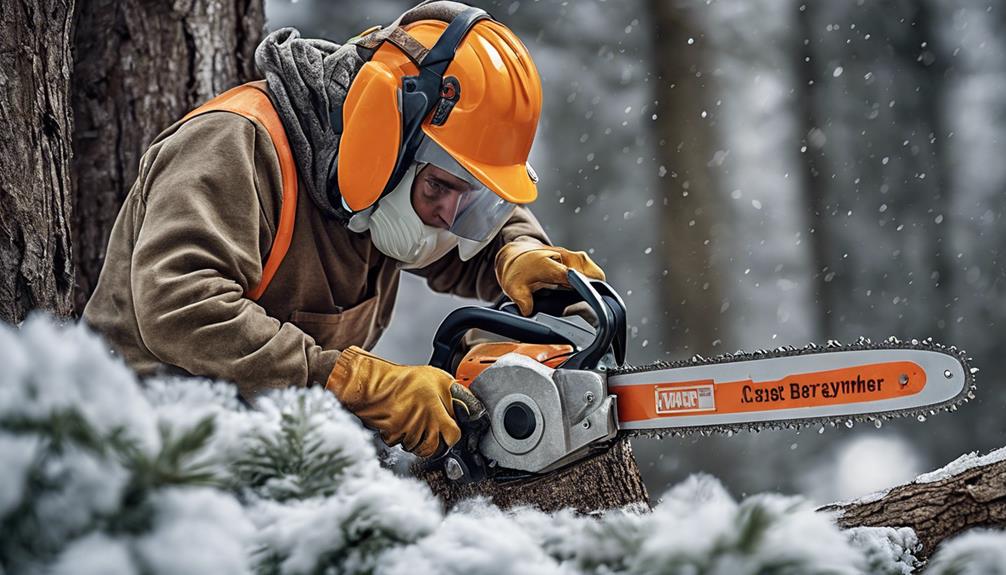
x=968 y=493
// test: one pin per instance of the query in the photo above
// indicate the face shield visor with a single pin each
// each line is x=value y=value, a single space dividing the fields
x=475 y=214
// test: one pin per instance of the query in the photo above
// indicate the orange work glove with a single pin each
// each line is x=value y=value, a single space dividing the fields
x=523 y=268
x=410 y=405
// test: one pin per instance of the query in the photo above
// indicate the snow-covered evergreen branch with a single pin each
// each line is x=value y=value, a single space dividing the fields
x=103 y=475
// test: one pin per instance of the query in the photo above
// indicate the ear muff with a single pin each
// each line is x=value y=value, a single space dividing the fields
x=370 y=144
x=384 y=112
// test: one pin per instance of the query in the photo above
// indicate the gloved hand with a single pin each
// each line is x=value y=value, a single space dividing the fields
x=411 y=405
x=523 y=268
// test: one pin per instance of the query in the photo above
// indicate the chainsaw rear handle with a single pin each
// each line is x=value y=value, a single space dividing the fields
x=459 y=321
x=508 y=322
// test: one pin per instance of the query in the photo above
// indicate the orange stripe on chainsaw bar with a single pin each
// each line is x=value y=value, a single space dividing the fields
x=869 y=382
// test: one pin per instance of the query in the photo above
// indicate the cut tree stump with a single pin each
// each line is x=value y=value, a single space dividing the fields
x=937 y=510
x=607 y=480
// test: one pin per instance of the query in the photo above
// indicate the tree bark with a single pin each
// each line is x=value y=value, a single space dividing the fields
x=36 y=271
x=937 y=510
x=140 y=66
x=604 y=481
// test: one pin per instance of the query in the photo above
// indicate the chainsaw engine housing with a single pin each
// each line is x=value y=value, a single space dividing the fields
x=542 y=418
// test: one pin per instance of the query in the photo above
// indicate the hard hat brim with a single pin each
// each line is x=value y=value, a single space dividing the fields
x=511 y=182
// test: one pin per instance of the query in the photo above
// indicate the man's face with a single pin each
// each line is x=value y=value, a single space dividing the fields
x=438 y=195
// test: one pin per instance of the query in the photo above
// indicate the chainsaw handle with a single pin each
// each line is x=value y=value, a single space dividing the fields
x=459 y=321
x=607 y=306
x=506 y=320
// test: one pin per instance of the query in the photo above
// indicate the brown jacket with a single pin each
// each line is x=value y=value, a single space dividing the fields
x=191 y=239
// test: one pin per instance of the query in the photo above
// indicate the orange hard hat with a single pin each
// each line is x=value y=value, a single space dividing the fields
x=474 y=91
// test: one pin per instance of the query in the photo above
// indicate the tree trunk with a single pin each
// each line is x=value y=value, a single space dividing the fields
x=35 y=267
x=604 y=481
x=937 y=510
x=141 y=65
x=684 y=130
x=872 y=174
x=814 y=175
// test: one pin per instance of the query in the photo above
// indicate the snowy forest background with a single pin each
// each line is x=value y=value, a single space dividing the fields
x=750 y=173
x=758 y=173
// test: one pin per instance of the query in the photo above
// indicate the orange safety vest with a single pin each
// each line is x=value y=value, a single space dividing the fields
x=252 y=101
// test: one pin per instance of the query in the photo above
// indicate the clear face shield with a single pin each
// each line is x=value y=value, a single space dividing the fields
x=478 y=213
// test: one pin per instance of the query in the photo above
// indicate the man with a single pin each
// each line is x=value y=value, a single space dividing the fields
x=264 y=236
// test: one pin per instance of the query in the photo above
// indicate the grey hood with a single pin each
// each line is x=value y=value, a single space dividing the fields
x=308 y=79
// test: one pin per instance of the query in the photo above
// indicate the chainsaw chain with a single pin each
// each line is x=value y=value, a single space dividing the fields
x=921 y=413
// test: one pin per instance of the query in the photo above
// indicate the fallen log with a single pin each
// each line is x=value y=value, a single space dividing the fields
x=968 y=493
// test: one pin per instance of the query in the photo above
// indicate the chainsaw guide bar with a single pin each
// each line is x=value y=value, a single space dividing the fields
x=874 y=412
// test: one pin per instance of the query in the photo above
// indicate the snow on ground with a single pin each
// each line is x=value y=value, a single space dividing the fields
x=979 y=552
x=887 y=550
x=101 y=475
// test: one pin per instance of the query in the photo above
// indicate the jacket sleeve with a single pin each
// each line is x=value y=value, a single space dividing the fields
x=476 y=278
x=198 y=249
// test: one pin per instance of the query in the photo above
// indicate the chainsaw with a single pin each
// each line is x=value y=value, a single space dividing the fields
x=555 y=390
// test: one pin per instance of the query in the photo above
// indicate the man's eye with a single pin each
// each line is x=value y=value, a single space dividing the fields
x=435 y=188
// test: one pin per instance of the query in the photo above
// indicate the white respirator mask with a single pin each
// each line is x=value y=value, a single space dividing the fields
x=399 y=233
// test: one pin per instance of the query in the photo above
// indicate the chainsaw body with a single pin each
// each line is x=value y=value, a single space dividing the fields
x=540 y=419
x=546 y=397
